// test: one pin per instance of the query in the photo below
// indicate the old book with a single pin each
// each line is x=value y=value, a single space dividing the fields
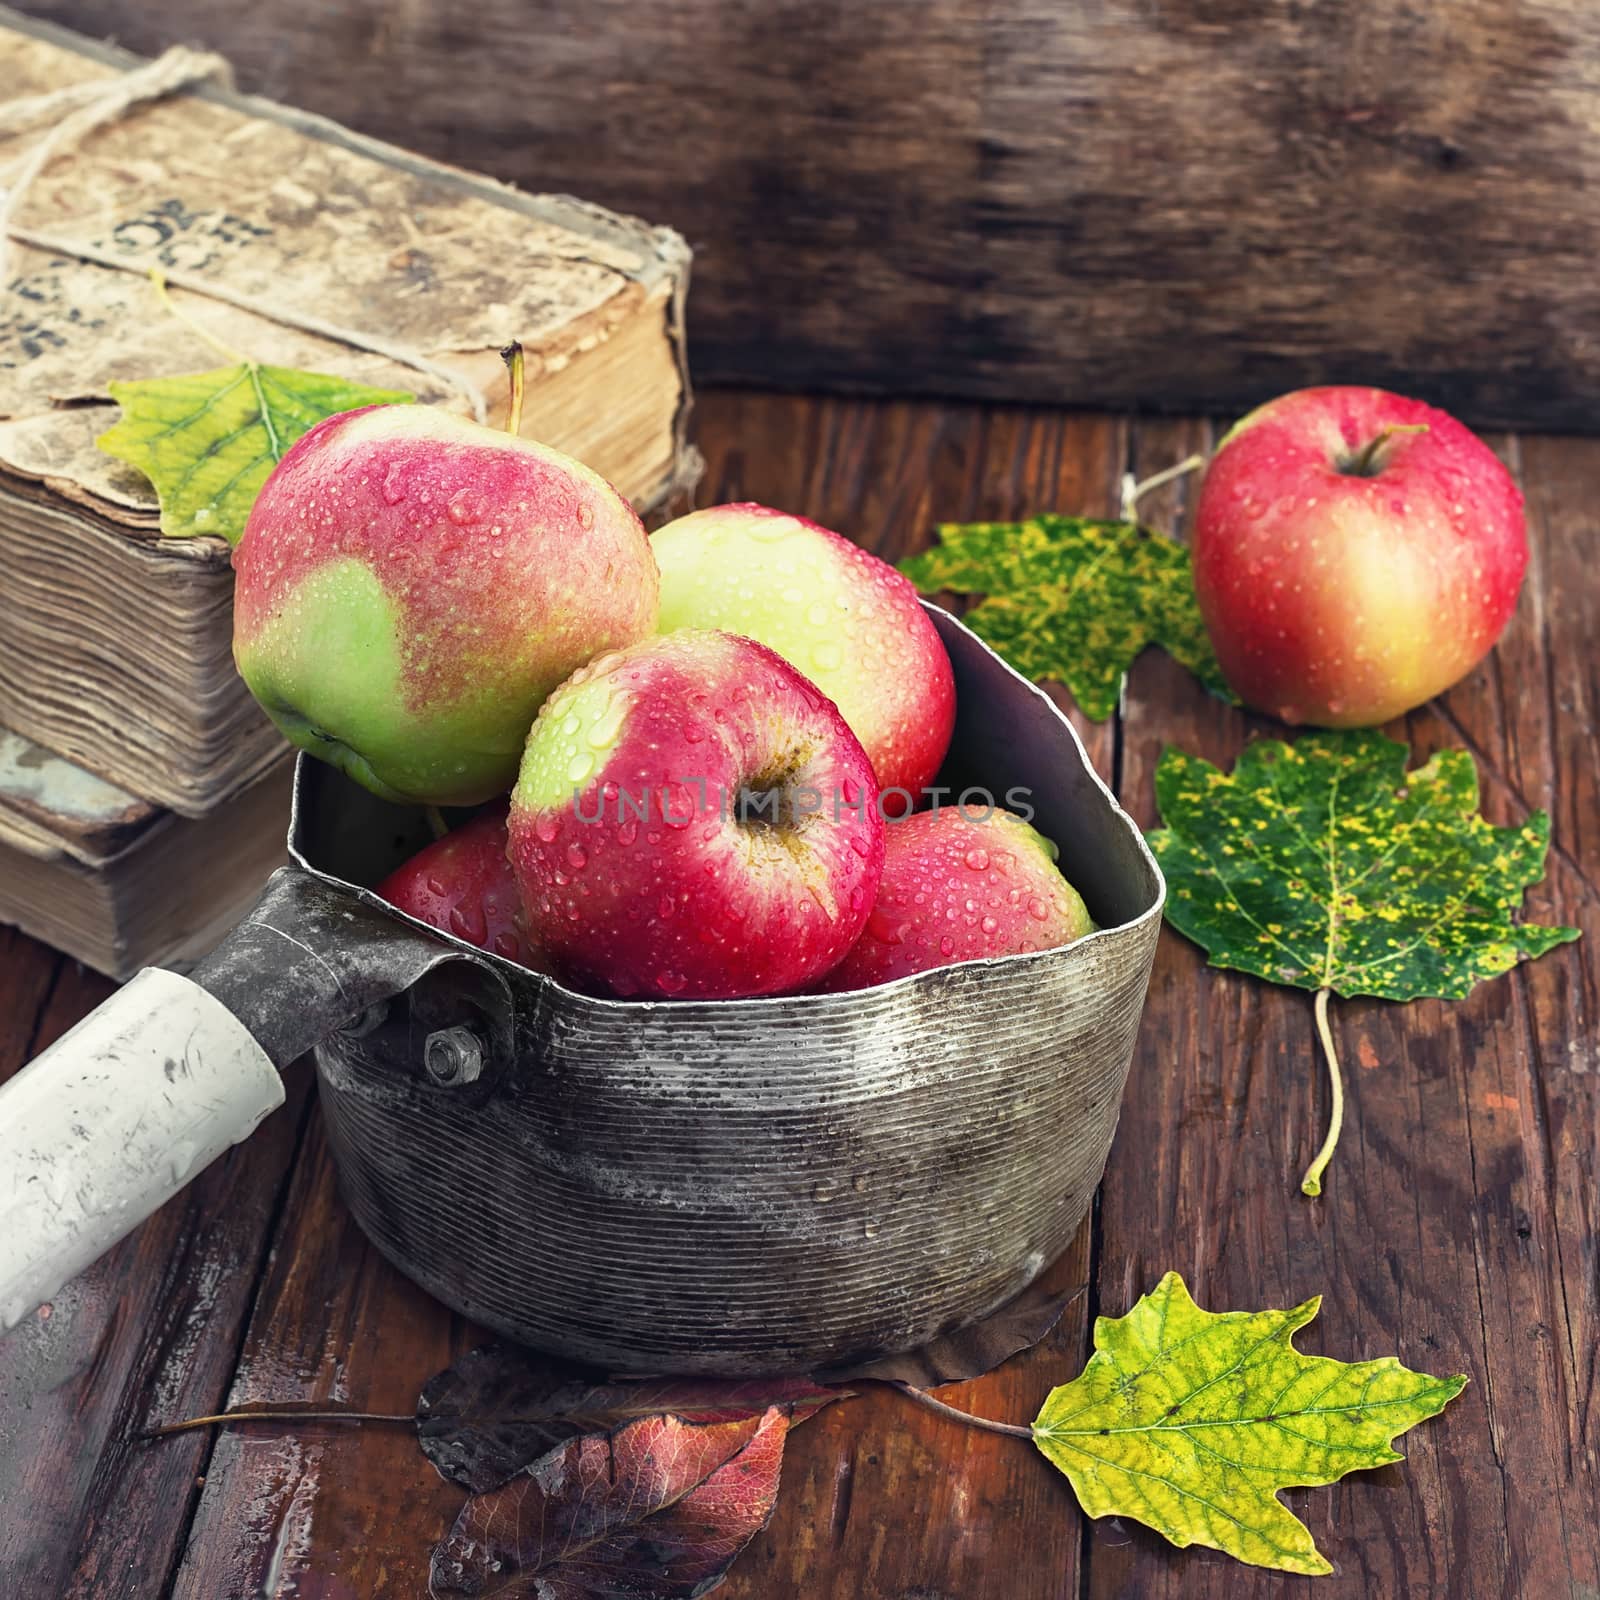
x=115 y=641
x=120 y=883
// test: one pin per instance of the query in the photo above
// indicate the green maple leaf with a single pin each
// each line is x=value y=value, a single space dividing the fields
x=1325 y=865
x=1073 y=599
x=1190 y=1421
x=208 y=440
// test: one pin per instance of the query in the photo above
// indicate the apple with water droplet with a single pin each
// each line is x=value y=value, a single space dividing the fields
x=693 y=819
x=411 y=585
x=1355 y=553
x=960 y=884
x=848 y=621
x=462 y=884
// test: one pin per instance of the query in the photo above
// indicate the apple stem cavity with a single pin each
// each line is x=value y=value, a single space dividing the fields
x=1364 y=463
x=436 y=821
x=512 y=356
x=1133 y=488
x=988 y=1424
x=1311 y=1183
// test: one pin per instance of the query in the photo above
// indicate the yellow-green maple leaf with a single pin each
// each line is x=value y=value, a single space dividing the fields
x=1190 y=1421
x=208 y=440
x=1073 y=599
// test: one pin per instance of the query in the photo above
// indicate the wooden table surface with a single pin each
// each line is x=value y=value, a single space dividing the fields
x=1458 y=1229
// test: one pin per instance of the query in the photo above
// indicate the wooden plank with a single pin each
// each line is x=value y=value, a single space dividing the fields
x=148 y=1332
x=1457 y=1227
x=1183 y=206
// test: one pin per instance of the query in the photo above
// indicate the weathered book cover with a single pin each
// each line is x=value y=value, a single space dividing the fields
x=117 y=882
x=115 y=641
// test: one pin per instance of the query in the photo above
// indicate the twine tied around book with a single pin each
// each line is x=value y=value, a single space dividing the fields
x=75 y=111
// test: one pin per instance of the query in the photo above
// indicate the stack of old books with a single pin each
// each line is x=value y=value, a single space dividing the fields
x=143 y=797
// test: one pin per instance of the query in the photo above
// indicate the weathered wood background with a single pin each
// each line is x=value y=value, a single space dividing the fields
x=1174 y=204
x=1458 y=1230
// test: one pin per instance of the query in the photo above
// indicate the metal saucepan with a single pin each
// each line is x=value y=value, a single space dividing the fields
x=720 y=1187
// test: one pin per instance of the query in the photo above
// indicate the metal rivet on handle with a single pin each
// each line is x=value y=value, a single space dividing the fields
x=453 y=1056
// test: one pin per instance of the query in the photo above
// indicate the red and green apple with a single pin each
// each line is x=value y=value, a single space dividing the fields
x=694 y=820
x=410 y=586
x=1355 y=553
x=462 y=884
x=848 y=621
x=960 y=884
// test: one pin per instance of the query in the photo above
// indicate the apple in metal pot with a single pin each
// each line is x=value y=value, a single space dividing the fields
x=961 y=883
x=1355 y=553
x=463 y=885
x=695 y=820
x=847 y=620
x=410 y=586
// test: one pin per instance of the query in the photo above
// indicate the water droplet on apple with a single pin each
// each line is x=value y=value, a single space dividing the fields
x=577 y=856
x=435 y=886
x=393 y=489
x=816 y=614
x=988 y=925
x=667 y=906
x=977 y=858
x=467 y=506
x=581 y=766
x=1038 y=910
x=505 y=944
x=860 y=846
x=544 y=826
x=467 y=922
x=770 y=530
x=671 y=982
x=827 y=655
x=604 y=732
x=947 y=946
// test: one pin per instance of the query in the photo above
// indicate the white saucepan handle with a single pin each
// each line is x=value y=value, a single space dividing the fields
x=113 y=1120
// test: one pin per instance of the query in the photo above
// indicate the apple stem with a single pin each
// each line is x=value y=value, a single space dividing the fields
x=158 y=282
x=923 y=1398
x=436 y=821
x=1133 y=488
x=1365 y=463
x=512 y=356
x=1311 y=1183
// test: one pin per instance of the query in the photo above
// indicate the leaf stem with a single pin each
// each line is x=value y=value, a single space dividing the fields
x=1133 y=488
x=158 y=282
x=512 y=356
x=923 y=1398
x=1311 y=1183
x=222 y=1418
x=436 y=822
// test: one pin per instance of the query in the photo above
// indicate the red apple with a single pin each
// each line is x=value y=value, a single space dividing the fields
x=411 y=586
x=1355 y=553
x=847 y=620
x=959 y=885
x=463 y=884
x=693 y=819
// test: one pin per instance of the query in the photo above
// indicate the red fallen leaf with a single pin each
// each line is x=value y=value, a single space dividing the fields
x=656 y=1511
x=499 y=1407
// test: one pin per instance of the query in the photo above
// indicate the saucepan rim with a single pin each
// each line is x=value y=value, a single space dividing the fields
x=863 y=999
